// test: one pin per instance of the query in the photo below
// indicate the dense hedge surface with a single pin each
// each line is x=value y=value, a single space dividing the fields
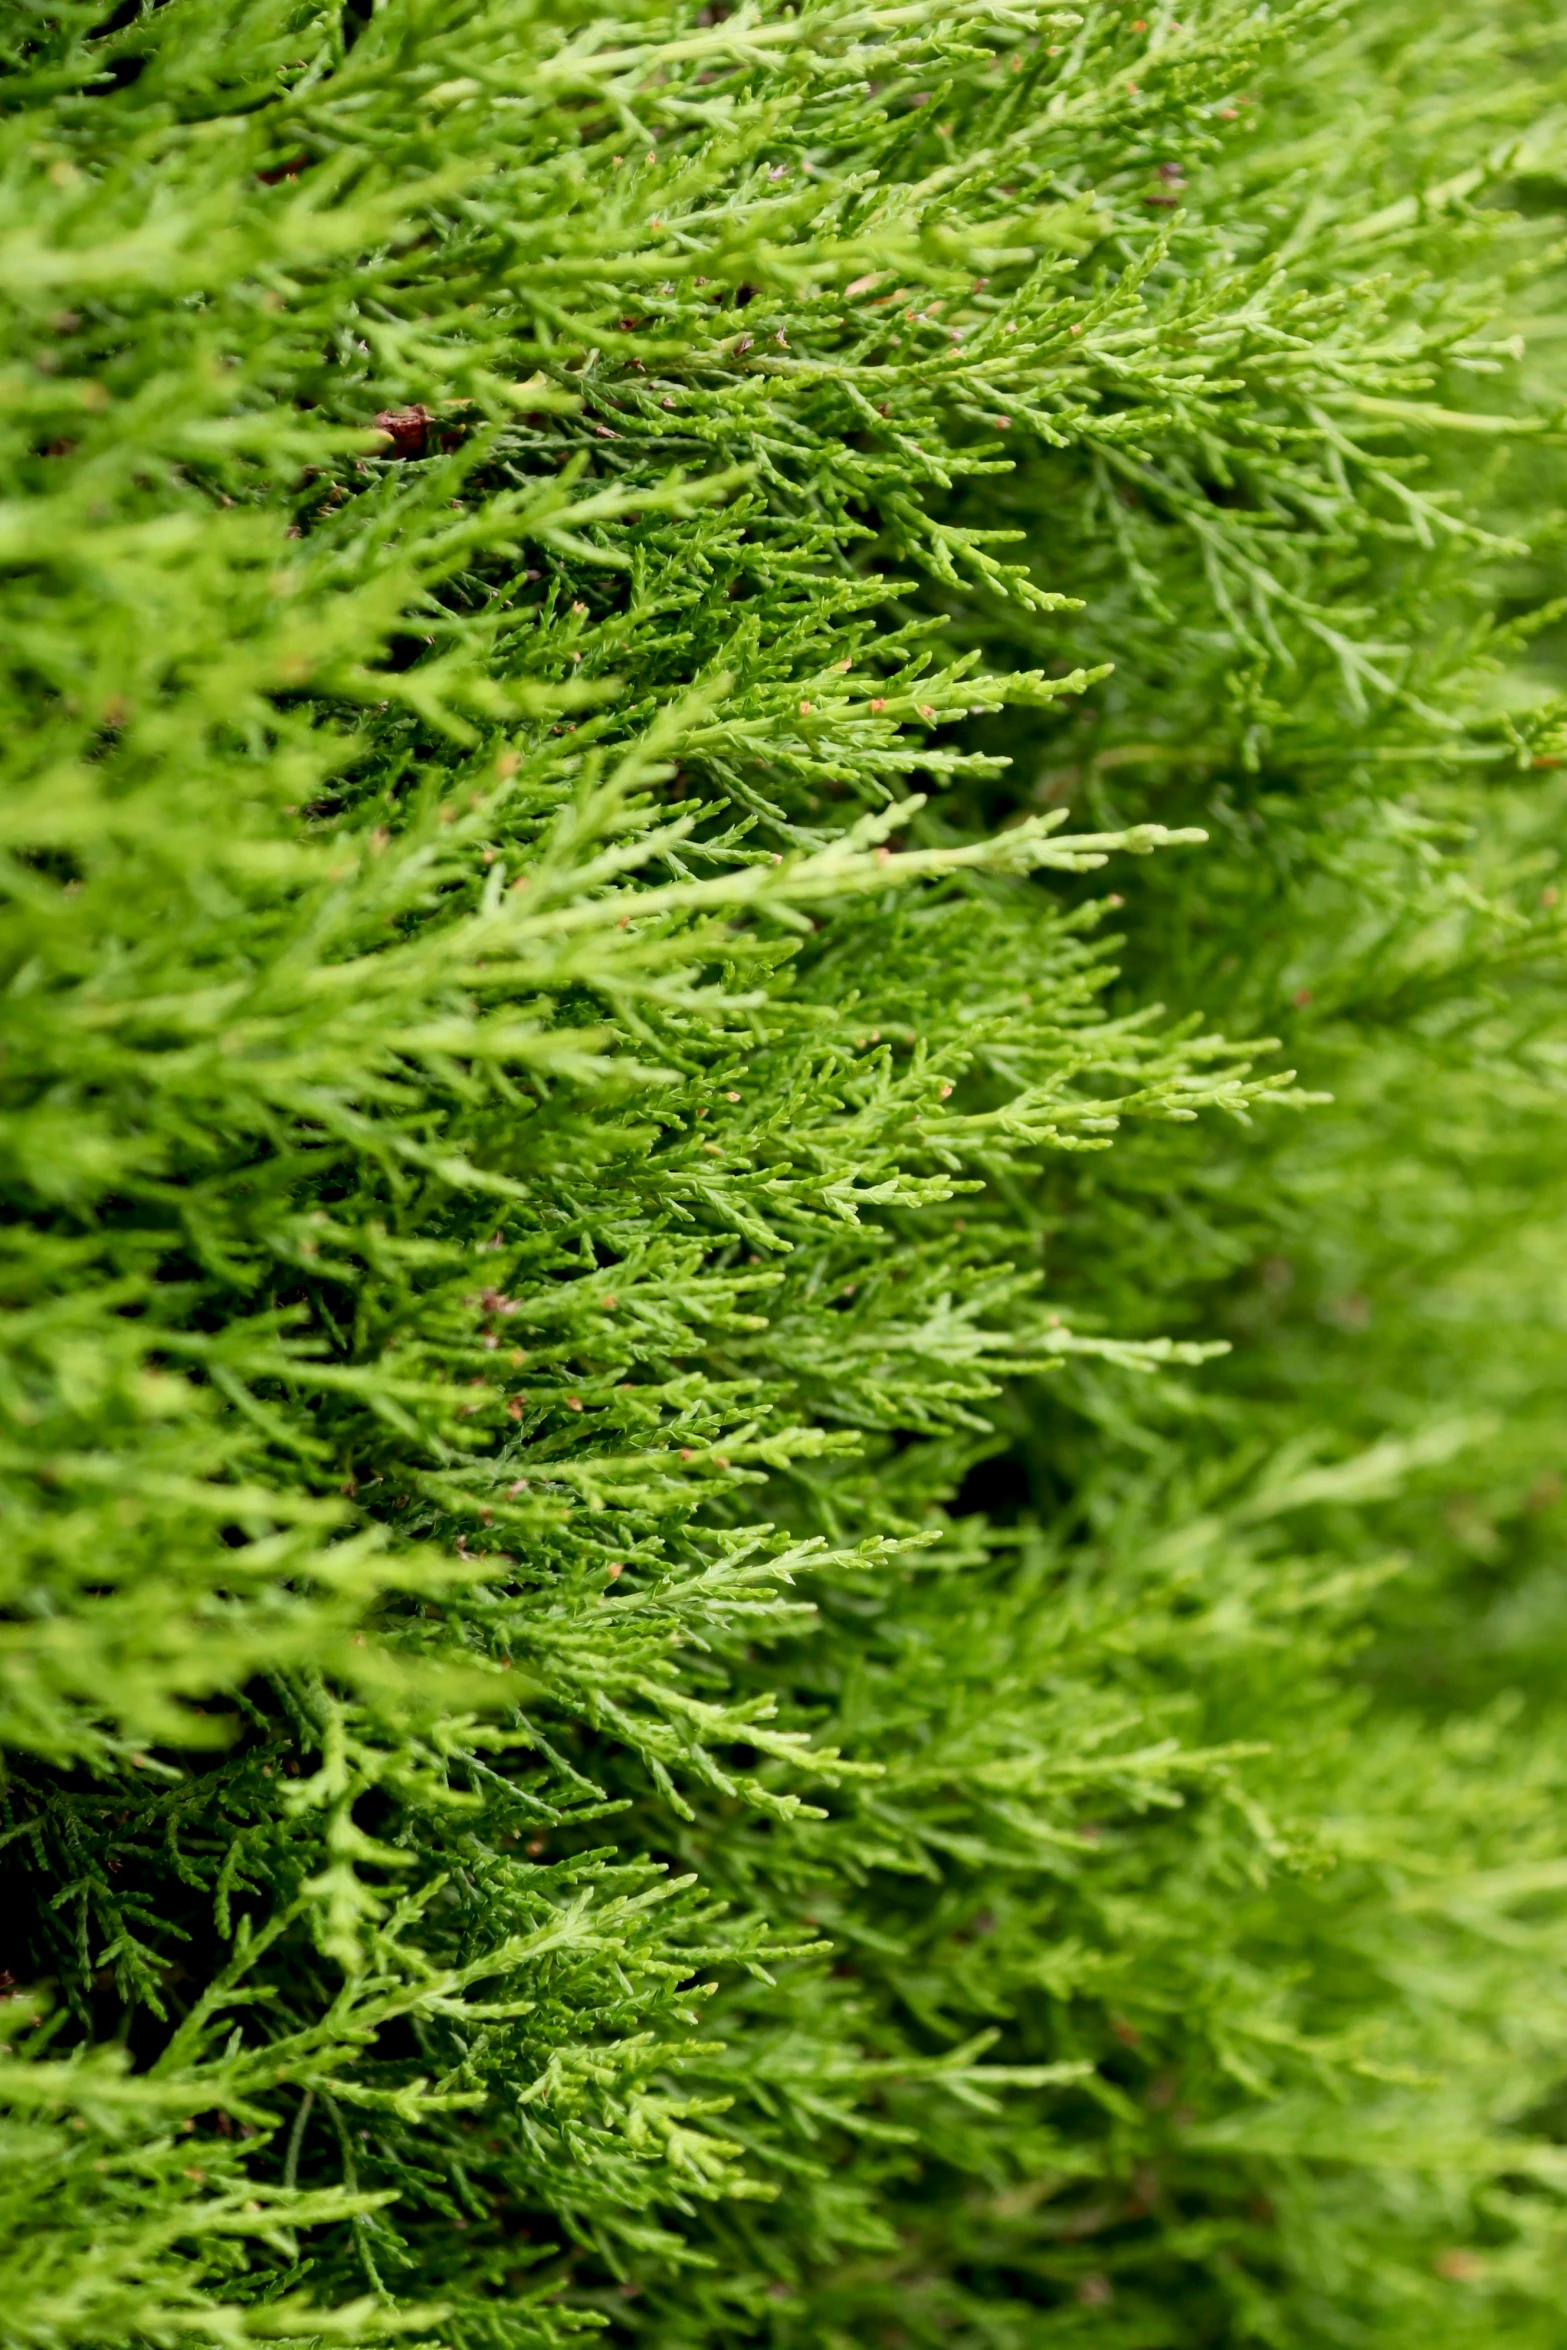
x=782 y=1116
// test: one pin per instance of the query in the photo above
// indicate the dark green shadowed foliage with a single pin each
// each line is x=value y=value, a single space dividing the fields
x=782 y=1124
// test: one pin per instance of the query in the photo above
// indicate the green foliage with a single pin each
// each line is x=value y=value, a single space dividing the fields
x=655 y=1672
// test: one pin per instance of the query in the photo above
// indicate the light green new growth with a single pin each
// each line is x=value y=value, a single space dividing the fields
x=781 y=1130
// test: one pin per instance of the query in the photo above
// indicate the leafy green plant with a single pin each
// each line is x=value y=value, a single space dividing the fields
x=748 y=1481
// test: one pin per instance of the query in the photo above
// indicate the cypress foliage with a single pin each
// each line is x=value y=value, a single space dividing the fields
x=781 y=1133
